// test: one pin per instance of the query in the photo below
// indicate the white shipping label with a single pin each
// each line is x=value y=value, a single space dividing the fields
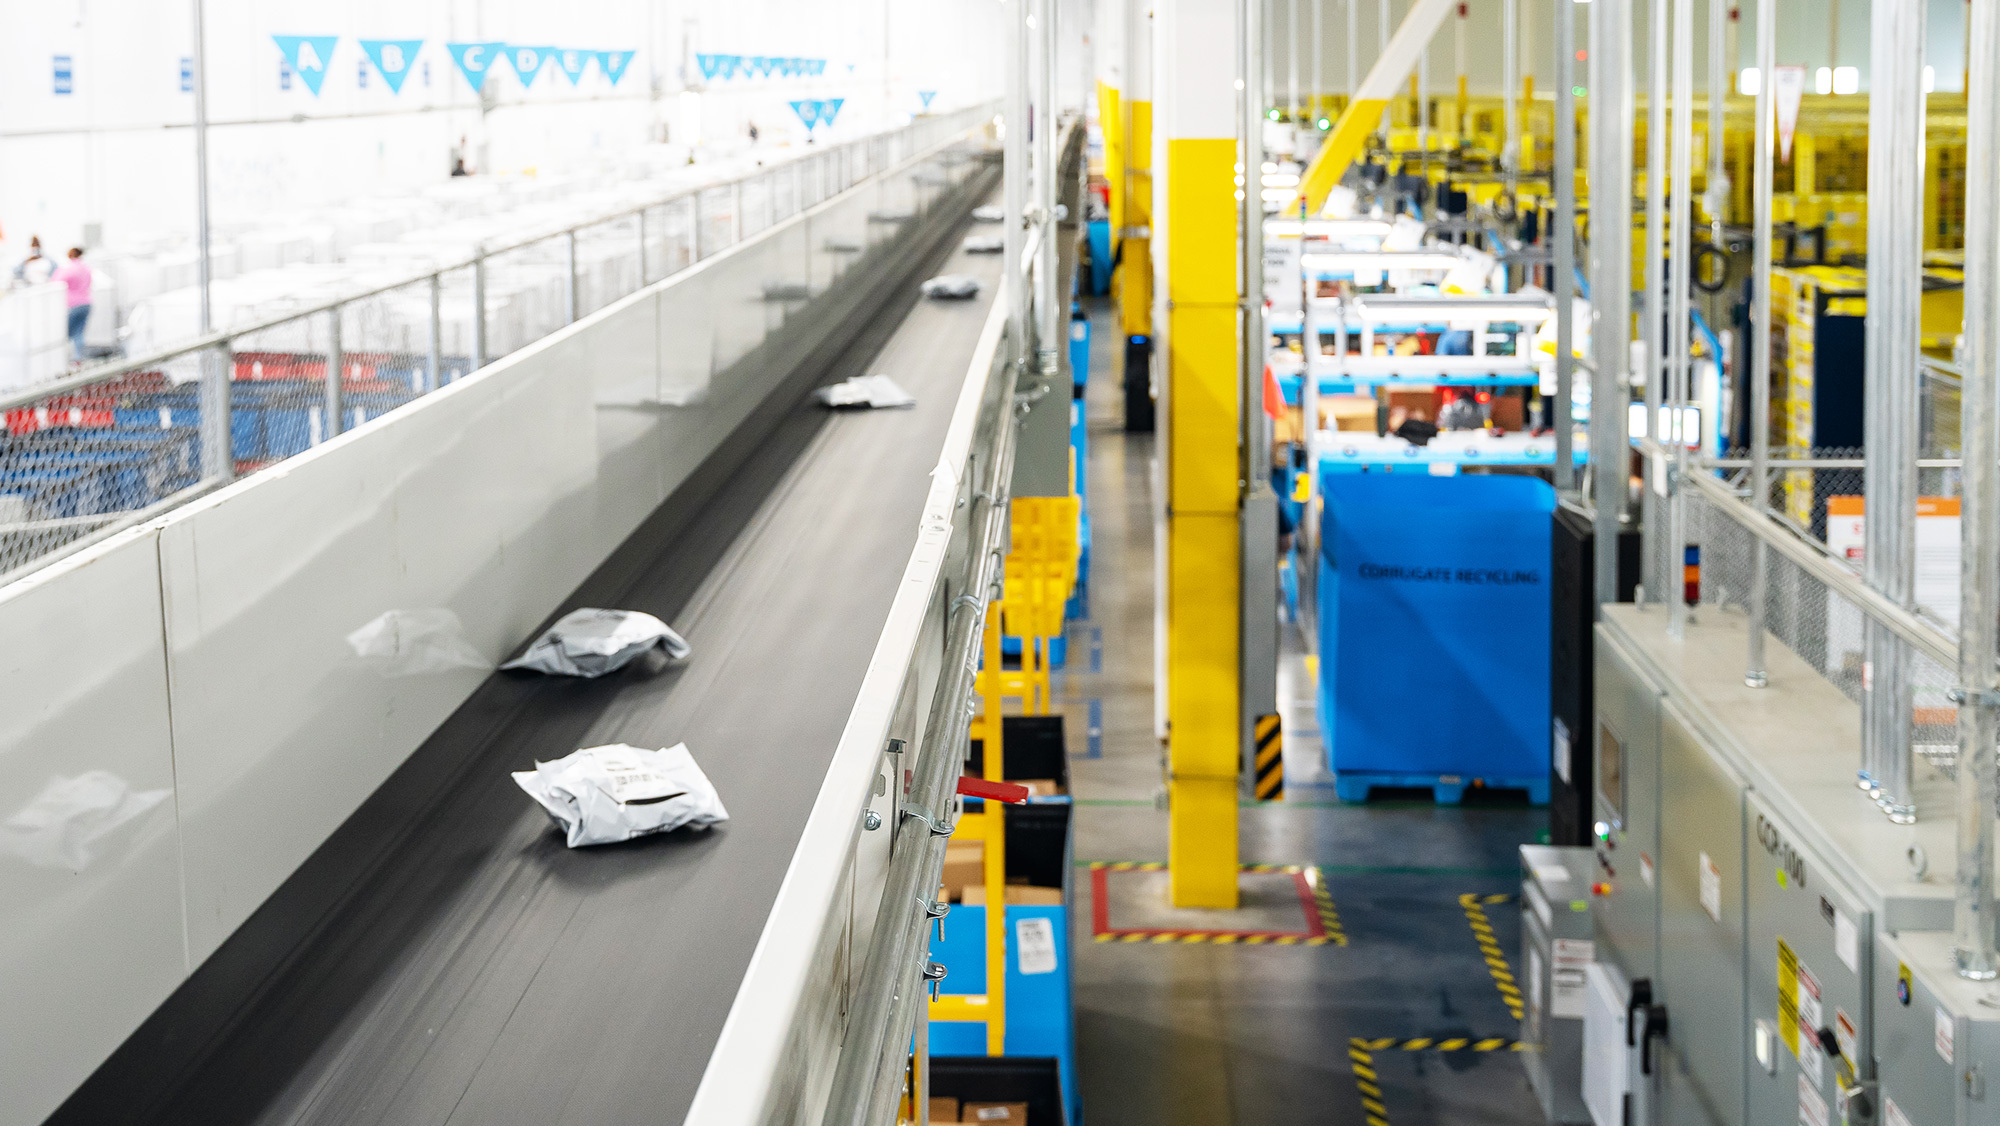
x=1812 y=1104
x=1847 y=941
x=1569 y=976
x=1812 y=1059
x=1035 y=938
x=1845 y=1034
x=1534 y=980
x=1947 y=1036
x=1711 y=888
x=1646 y=869
x=1892 y=1115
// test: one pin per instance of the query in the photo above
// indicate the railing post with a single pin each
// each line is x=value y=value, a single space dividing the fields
x=643 y=280
x=736 y=213
x=479 y=312
x=694 y=223
x=1610 y=87
x=433 y=376
x=1680 y=368
x=1759 y=345
x=569 y=253
x=335 y=360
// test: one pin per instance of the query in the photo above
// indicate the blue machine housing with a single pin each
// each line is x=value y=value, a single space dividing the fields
x=1434 y=631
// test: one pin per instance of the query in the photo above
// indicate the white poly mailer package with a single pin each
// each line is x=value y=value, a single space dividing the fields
x=876 y=391
x=956 y=287
x=594 y=642
x=600 y=795
x=988 y=214
x=984 y=244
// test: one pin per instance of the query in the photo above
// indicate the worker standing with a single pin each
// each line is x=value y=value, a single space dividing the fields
x=75 y=276
x=36 y=268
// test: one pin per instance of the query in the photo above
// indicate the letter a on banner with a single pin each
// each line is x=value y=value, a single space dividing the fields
x=475 y=59
x=527 y=62
x=393 y=57
x=308 y=56
x=572 y=64
x=808 y=112
x=613 y=63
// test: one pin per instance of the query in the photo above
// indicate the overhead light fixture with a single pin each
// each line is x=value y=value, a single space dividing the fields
x=1748 y=82
x=1823 y=80
x=1846 y=80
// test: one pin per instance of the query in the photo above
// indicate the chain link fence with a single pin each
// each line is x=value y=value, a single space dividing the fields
x=103 y=449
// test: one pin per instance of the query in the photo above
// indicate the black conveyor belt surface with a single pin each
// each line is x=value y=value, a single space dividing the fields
x=483 y=973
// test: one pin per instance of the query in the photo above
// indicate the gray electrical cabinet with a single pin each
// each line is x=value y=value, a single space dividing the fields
x=1701 y=929
x=1810 y=959
x=1558 y=946
x=1937 y=1035
x=1626 y=743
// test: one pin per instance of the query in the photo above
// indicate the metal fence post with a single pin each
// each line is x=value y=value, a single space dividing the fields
x=736 y=213
x=335 y=360
x=1563 y=416
x=217 y=454
x=1610 y=88
x=479 y=312
x=1758 y=346
x=643 y=280
x=569 y=254
x=1652 y=317
x=432 y=372
x=1973 y=910
x=694 y=223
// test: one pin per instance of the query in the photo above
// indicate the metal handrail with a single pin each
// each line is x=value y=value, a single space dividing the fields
x=220 y=337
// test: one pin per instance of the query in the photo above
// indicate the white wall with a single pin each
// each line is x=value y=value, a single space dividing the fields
x=118 y=151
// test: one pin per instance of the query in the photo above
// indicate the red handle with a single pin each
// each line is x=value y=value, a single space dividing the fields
x=998 y=791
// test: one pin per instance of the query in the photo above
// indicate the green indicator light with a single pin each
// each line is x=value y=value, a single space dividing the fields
x=1325 y=124
x=1273 y=115
x=1576 y=90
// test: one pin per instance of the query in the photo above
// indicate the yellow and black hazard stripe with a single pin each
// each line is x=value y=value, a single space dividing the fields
x=1270 y=738
x=1437 y=1044
x=1489 y=946
x=1329 y=919
x=1221 y=938
x=1367 y=1082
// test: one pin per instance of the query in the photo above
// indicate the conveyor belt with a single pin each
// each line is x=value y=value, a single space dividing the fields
x=482 y=973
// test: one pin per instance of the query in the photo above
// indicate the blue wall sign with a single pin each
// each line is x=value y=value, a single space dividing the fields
x=474 y=60
x=613 y=63
x=65 y=75
x=573 y=63
x=308 y=55
x=187 y=74
x=393 y=58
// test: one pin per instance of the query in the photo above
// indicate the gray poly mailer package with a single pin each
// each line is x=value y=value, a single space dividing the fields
x=874 y=391
x=952 y=286
x=593 y=642
x=987 y=213
x=984 y=244
x=601 y=795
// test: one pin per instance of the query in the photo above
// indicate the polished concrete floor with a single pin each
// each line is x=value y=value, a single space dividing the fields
x=1174 y=1031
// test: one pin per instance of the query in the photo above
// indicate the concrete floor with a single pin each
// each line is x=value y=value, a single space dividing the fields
x=1174 y=1033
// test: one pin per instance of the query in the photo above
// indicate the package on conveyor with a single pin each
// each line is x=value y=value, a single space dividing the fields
x=984 y=244
x=601 y=795
x=995 y=1114
x=952 y=287
x=593 y=642
x=988 y=213
x=877 y=392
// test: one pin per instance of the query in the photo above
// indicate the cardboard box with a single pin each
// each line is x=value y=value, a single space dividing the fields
x=944 y=1110
x=995 y=1114
x=964 y=865
x=1018 y=895
x=1040 y=787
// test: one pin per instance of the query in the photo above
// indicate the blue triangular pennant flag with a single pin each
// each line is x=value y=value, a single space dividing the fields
x=613 y=63
x=808 y=112
x=927 y=95
x=573 y=63
x=828 y=110
x=308 y=56
x=709 y=65
x=474 y=60
x=788 y=67
x=527 y=62
x=392 y=57
x=819 y=66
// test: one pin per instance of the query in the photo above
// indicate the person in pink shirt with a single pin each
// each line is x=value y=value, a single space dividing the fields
x=75 y=276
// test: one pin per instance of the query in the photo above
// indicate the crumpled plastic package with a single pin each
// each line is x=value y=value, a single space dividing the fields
x=594 y=642
x=413 y=642
x=876 y=391
x=988 y=214
x=984 y=244
x=601 y=795
x=952 y=286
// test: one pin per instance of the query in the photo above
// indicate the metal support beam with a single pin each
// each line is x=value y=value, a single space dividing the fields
x=1510 y=66
x=433 y=377
x=1014 y=178
x=1258 y=528
x=1974 y=908
x=1562 y=415
x=336 y=359
x=1679 y=343
x=1660 y=567
x=1051 y=311
x=1364 y=113
x=1610 y=69
x=1758 y=347
x=217 y=457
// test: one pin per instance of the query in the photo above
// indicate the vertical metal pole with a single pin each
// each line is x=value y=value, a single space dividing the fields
x=1050 y=309
x=1677 y=308
x=1382 y=32
x=1889 y=428
x=569 y=293
x=1653 y=317
x=1292 y=74
x=1258 y=518
x=431 y=369
x=1979 y=529
x=641 y=225
x=1610 y=68
x=736 y=213
x=335 y=360
x=1014 y=177
x=1717 y=197
x=1758 y=347
x=695 y=224
x=479 y=312
x=1510 y=81
x=217 y=460
x=1318 y=87
x=1353 y=48
x=1563 y=416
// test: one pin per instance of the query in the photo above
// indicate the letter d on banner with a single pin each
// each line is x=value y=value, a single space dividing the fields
x=475 y=59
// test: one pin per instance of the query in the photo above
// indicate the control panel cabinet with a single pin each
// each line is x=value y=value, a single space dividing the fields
x=1810 y=956
x=1558 y=947
x=1937 y=1035
x=1626 y=837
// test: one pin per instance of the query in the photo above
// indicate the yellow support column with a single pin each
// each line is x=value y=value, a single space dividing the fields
x=1196 y=209
x=1110 y=117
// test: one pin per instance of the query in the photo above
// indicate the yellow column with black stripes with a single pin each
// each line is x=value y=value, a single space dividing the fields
x=1195 y=209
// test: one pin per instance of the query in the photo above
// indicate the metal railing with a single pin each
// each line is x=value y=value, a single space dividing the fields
x=100 y=450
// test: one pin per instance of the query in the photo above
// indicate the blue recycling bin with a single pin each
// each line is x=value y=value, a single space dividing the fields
x=1434 y=633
